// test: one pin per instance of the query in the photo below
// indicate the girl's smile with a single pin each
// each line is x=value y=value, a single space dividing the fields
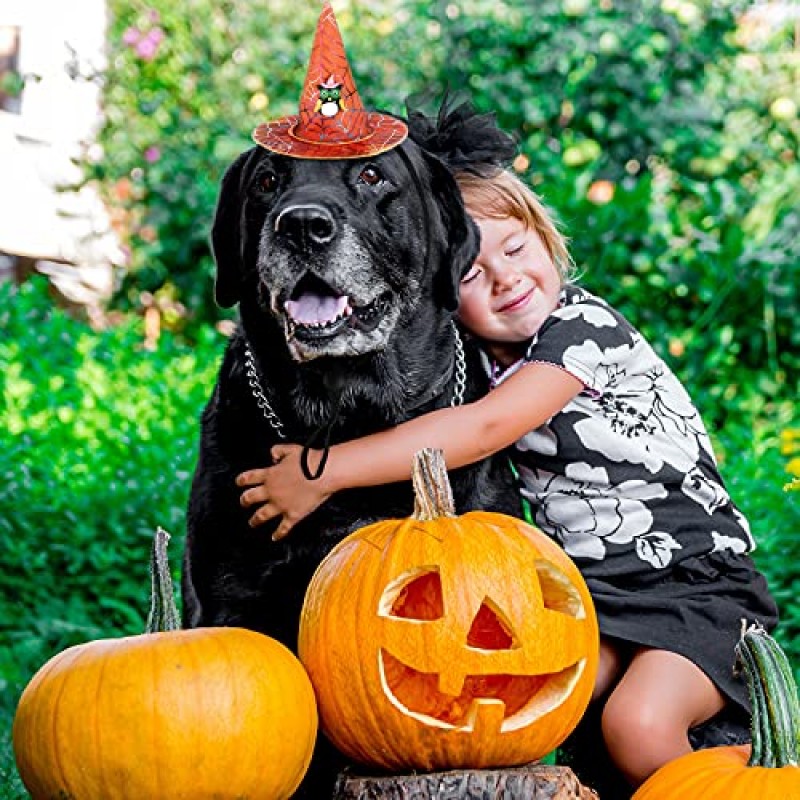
x=517 y=303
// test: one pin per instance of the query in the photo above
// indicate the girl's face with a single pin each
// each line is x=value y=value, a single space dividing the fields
x=510 y=290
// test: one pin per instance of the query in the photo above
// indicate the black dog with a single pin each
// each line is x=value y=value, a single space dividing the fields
x=346 y=275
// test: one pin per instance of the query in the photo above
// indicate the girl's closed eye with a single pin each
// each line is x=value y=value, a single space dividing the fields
x=515 y=250
x=471 y=275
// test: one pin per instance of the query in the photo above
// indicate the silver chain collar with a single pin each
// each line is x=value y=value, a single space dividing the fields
x=460 y=370
x=254 y=380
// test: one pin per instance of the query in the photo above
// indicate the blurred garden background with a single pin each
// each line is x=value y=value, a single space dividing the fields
x=665 y=135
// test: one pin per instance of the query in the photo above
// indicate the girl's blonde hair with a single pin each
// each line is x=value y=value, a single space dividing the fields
x=501 y=195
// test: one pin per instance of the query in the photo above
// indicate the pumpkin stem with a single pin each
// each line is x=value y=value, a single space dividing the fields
x=163 y=614
x=433 y=496
x=775 y=724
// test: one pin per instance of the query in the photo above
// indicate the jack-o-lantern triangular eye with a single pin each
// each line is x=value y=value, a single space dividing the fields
x=489 y=631
x=417 y=596
x=558 y=591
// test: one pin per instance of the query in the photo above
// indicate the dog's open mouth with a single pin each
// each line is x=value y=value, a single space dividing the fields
x=316 y=311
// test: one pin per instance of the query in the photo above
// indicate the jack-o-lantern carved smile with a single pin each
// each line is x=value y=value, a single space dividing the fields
x=439 y=642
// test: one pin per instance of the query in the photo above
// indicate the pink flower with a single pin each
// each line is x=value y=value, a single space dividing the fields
x=146 y=50
x=131 y=36
x=147 y=47
x=152 y=154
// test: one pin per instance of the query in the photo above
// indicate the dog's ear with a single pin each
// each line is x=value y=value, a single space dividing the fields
x=461 y=234
x=227 y=231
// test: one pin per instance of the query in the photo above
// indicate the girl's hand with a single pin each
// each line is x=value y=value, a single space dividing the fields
x=282 y=490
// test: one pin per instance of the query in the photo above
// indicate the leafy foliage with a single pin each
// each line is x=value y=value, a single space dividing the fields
x=97 y=446
x=664 y=134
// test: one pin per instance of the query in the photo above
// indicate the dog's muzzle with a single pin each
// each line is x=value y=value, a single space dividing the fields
x=326 y=281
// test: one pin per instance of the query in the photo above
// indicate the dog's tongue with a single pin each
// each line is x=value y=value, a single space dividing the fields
x=316 y=309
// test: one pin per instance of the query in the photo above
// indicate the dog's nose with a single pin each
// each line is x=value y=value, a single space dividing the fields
x=306 y=225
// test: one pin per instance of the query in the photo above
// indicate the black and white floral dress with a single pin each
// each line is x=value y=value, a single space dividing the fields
x=624 y=478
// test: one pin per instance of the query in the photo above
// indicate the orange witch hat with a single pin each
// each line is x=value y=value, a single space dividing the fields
x=332 y=122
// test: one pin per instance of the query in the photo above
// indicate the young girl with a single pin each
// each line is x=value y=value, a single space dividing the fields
x=615 y=460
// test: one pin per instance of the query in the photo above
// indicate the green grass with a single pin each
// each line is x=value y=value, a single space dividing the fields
x=98 y=441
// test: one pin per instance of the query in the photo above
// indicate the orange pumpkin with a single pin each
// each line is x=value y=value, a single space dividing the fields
x=209 y=712
x=439 y=642
x=769 y=769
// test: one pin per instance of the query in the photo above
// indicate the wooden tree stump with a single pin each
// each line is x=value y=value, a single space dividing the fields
x=531 y=782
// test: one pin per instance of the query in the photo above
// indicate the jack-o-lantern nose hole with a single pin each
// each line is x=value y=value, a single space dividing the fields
x=488 y=631
x=417 y=597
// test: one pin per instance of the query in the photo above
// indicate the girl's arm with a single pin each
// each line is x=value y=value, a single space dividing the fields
x=523 y=402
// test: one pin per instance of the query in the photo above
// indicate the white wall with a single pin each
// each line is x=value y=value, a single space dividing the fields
x=67 y=233
x=58 y=108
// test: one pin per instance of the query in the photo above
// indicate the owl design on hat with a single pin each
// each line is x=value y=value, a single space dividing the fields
x=330 y=100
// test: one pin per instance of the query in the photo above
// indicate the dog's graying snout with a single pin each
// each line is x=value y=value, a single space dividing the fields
x=306 y=226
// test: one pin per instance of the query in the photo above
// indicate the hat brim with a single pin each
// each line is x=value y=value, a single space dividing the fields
x=280 y=136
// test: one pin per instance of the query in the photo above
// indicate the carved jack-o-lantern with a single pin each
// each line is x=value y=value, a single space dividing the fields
x=439 y=641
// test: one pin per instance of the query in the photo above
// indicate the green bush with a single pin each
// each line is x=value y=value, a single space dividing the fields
x=98 y=441
x=754 y=464
x=664 y=133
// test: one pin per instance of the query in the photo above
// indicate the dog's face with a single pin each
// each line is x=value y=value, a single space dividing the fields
x=328 y=257
x=340 y=252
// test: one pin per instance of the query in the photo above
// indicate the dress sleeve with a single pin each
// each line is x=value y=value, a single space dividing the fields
x=588 y=339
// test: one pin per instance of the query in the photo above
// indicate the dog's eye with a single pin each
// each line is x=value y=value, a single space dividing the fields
x=268 y=182
x=370 y=175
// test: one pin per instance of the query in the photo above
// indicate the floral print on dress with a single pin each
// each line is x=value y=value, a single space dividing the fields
x=641 y=416
x=624 y=477
x=586 y=512
x=728 y=543
x=708 y=494
x=542 y=440
x=745 y=526
x=656 y=548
